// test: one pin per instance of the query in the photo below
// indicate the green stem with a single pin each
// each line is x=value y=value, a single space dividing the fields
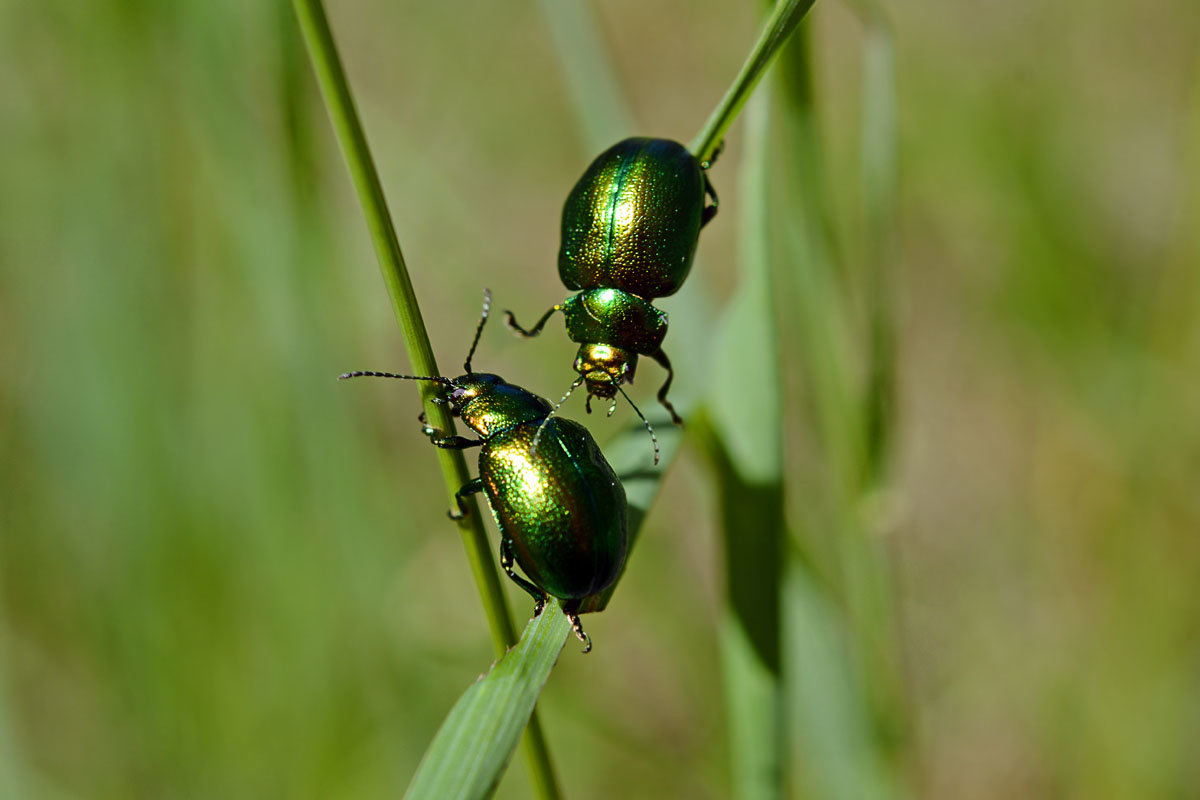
x=780 y=25
x=336 y=91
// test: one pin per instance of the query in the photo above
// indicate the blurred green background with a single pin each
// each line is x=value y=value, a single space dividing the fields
x=221 y=571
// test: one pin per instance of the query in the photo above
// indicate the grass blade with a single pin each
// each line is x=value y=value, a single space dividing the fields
x=779 y=27
x=336 y=91
x=472 y=748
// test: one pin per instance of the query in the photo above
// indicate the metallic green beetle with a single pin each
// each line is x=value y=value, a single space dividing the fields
x=629 y=233
x=559 y=505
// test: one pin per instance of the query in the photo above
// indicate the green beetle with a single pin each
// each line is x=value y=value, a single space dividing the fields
x=559 y=505
x=629 y=233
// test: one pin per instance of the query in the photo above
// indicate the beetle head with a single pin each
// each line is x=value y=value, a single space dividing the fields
x=604 y=368
x=466 y=388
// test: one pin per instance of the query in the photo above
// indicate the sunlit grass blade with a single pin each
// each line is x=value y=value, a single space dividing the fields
x=336 y=92
x=472 y=748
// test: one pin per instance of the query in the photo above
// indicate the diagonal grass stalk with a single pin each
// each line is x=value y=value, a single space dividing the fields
x=778 y=29
x=336 y=91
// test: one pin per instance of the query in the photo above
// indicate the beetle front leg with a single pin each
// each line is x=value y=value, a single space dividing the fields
x=665 y=362
x=511 y=322
x=506 y=561
x=440 y=439
x=460 y=498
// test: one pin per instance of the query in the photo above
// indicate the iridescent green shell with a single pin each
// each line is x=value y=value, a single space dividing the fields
x=561 y=505
x=616 y=318
x=633 y=219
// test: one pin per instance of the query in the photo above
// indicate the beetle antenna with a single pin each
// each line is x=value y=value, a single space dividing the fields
x=538 y=436
x=370 y=374
x=649 y=430
x=487 y=306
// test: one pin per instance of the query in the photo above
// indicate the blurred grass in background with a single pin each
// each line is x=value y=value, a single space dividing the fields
x=220 y=570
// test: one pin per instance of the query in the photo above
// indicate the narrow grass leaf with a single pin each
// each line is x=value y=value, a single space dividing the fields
x=779 y=27
x=472 y=748
x=335 y=90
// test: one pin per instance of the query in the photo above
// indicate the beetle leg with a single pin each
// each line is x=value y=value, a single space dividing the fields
x=506 y=561
x=443 y=441
x=511 y=322
x=460 y=498
x=452 y=442
x=665 y=362
x=710 y=211
x=578 y=628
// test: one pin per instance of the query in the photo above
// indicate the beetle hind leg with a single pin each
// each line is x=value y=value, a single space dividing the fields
x=506 y=561
x=665 y=362
x=511 y=322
